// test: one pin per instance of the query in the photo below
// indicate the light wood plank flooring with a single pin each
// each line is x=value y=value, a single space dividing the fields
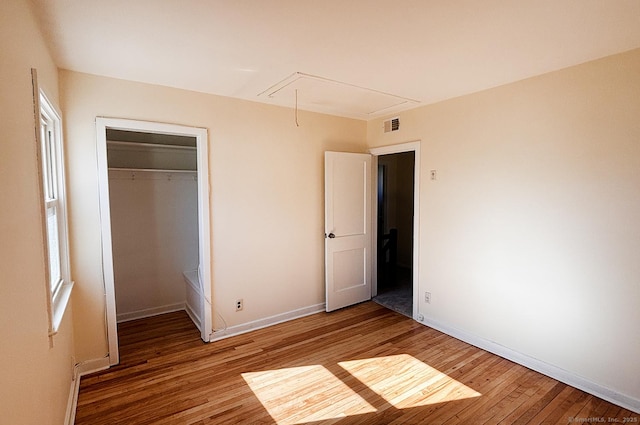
x=361 y=365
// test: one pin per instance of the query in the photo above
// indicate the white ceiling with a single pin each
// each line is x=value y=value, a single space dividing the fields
x=417 y=50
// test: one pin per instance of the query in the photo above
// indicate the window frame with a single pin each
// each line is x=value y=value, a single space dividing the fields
x=52 y=195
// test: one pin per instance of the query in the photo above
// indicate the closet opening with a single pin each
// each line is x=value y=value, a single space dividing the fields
x=155 y=223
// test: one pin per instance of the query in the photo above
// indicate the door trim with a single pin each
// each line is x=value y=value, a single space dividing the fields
x=386 y=150
x=204 y=250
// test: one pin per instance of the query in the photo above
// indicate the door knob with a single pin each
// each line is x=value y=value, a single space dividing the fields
x=331 y=236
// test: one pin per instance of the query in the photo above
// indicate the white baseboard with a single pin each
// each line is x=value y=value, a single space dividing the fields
x=72 y=401
x=149 y=312
x=547 y=369
x=194 y=316
x=79 y=370
x=90 y=366
x=267 y=321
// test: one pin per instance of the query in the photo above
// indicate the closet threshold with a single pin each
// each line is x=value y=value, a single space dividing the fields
x=151 y=170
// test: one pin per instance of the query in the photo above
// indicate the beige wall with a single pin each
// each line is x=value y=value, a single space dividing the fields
x=266 y=196
x=530 y=235
x=36 y=378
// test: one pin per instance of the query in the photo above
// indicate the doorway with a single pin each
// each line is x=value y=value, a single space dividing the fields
x=395 y=231
x=160 y=156
x=395 y=269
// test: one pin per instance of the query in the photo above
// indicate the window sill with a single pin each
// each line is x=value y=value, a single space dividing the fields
x=60 y=302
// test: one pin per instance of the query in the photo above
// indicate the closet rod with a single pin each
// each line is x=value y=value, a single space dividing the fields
x=150 y=170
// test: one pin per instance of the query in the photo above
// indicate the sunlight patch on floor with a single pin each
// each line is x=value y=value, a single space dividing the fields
x=406 y=382
x=305 y=394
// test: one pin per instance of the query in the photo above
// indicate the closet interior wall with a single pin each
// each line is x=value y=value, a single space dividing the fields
x=154 y=221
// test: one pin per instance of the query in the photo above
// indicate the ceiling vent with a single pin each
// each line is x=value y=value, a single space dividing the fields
x=392 y=124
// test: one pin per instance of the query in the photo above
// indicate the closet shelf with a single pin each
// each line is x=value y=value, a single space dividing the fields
x=152 y=170
x=138 y=145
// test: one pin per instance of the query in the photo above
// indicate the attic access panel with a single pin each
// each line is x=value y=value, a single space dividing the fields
x=333 y=97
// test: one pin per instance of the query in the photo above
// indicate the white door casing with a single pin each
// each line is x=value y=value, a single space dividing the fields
x=348 y=242
x=204 y=248
x=388 y=150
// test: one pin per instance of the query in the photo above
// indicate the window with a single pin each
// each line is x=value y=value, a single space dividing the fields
x=51 y=160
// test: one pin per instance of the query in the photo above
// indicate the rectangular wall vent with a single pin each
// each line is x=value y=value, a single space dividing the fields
x=392 y=124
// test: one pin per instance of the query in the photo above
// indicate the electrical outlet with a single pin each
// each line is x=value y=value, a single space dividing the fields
x=427 y=297
x=433 y=174
x=239 y=304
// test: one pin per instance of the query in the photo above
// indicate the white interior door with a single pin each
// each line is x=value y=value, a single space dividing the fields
x=347 y=229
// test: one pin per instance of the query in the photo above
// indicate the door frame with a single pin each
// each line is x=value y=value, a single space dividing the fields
x=387 y=150
x=204 y=243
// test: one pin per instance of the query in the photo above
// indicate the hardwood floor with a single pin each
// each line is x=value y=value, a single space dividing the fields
x=360 y=365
